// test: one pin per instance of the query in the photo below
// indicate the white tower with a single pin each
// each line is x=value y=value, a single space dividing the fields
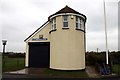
x=67 y=40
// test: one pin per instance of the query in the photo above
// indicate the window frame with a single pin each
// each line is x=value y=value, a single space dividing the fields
x=80 y=23
x=53 y=27
x=65 y=21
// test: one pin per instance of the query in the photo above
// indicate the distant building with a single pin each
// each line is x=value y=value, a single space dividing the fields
x=59 y=43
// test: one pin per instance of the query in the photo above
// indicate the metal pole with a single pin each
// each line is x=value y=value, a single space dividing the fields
x=105 y=33
x=3 y=50
x=97 y=50
x=3 y=55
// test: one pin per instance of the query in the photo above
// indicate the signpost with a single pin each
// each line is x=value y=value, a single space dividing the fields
x=4 y=43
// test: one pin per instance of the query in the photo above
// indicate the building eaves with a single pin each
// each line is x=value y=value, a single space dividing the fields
x=66 y=9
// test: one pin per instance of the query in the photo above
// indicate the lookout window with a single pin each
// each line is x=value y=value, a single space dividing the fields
x=53 y=23
x=65 y=21
x=79 y=23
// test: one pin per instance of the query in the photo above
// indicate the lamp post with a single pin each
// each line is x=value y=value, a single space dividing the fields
x=108 y=65
x=4 y=43
x=106 y=33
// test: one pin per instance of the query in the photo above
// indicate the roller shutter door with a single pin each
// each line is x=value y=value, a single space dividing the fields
x=39 y=54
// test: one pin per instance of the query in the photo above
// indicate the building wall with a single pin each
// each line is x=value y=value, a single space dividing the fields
x=67 y=46
x=67 y=49
x=45 y=33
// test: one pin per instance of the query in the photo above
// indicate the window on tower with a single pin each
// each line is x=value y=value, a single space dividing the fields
x=79 y=23
x=53 y=23
x=82 y=24
x=65 y=21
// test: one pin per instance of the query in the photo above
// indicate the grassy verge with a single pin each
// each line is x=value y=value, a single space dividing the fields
x=116 y=69
x=69 y=74
x=12 y=64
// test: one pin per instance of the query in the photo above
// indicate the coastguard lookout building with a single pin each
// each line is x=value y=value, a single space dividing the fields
x=59 y=43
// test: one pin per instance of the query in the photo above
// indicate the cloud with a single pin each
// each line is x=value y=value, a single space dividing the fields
x=97 y=39
x=20 y=18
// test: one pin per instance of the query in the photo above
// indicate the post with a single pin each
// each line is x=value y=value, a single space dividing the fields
x=3 y=51
x=3 y=55
x=105 y=34
x=4 y=43
x=97 y=50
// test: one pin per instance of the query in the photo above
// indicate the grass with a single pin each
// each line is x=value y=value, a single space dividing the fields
x=12 y=64
x=116 y=69
x=69 y=74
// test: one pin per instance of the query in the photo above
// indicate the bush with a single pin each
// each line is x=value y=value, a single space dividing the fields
x=115 y=57
x=94 y=58
x=16 y=55
x=97 y=59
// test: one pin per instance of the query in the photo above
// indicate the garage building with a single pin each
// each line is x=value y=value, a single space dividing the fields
x=59 y=43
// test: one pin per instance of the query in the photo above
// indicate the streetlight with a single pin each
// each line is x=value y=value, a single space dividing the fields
x=108 y=65
x=4 y=43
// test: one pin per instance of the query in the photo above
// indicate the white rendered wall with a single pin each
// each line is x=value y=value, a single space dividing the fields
x=67 y=46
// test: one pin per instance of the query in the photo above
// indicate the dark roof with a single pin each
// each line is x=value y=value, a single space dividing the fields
x=66 y=9
x=35 y=31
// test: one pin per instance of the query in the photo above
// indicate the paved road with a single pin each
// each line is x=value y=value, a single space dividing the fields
x=23 y=77
x=91 y=72
x=38 y=77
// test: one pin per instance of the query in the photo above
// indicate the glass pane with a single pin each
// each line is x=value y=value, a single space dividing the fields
x=65 y=18
x=77 y=25
x=76 y=18
x=65 y=24
x=53 y=23
x=54 y=19
x=82 y=27
x=82 y=24
x=54 y=26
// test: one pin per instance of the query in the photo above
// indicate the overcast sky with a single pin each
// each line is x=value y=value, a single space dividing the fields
x=20 y=18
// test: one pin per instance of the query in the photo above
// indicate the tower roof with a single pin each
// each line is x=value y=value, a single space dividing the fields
x=66 y=9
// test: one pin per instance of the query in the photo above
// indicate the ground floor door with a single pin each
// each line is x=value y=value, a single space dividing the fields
x=39 y=54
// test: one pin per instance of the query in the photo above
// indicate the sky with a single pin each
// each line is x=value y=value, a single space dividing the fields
x=20 y=18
